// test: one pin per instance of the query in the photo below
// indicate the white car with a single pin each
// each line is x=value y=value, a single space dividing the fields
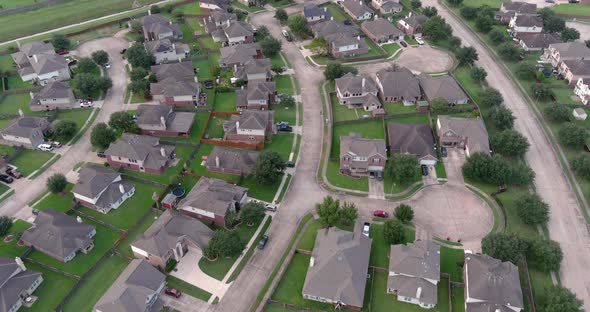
x=419 y=40
x=271 y=207
x=366 y=229
x=85 y=103
x=45 y=147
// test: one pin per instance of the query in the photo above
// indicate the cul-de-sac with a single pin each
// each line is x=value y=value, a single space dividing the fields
x=295 y=155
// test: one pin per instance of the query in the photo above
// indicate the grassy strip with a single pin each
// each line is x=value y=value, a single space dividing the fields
x=187 y=288
x=6 y=195
x=249 y=252
x=45 y=167
x=413 y=191
x=84 y=129
x=491 y=205
x=285 y=187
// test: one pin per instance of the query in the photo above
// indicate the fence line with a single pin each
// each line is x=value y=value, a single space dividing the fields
x=50 y=268
x=29 y=7
x=93 y=219
x=141 y=180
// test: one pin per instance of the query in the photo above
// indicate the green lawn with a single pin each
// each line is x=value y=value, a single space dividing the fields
x=342 y=112
x=282 y=144
x=307 y=240
x=478 y=3
x=283 y=84
x=572 y=8
x=285 y=113
x=52 y=291
x=13 y=102
x=337 y=13
x=380 y=248
x=260 y=191
x=197 y=168
x=373 y=129
x=563 y=96
x=79 y=116
x=11 y=4
x=392 y=187
x=59 y=202
x=381 y=301
x=393 y=108
x=225 y=102
x=131 y=210
x=187 y=33
x=187 y=288
x=125 y=245
x=391 y=48
x=6 y=62
x=277 y=61
x=191 y=8
x=96 y=284
x=336 y=179
x=194 y=135
x=11 y=249
x=15 y=82
x=203 y=69
x=103 y=240
x=5 y=122
x=409 y=40
x=449 y=262
x=182 y=153
x=208 y=43
x=250 y=251
x=458 y=300
x=30 y=160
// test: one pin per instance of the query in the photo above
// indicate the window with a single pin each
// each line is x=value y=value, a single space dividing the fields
x=376 y=160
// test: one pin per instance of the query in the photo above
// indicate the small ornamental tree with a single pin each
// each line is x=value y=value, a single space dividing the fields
x=100 y=57
x=298 y=25
x=526 y=70
x=541 y=92
x=252 y=213
x=268 y=168
x=102 y=136
x=86 y=65
x=64 y=129
x=478 y=74
x=544 y=255
x=57 y=183
x=403 y=168
x=490 y=97
x=404 y=213
x=508 y=51
x=393 y=232
x=430 y=11
x=60 y=42
x=572 y=135
x=5 y=225
x=505 y=247
x=532 y=210
x=570 y=34
x=281 y=15
x=329 y=211
x=122 y=121
x=348 y=213
x=496 y=36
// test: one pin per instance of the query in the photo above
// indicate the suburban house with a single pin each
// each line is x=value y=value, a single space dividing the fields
x=510 y=9
x=559 y=52
x=177 y=84
x=357 y=9
x=101 y=189
x=229 y=160
x=140 y=153
x=387 y=6
x=582 y=90
x=338 y=268
x=170 y=238
x=247 y=2
x=137 y=288
x=254 y=69
x=412 y=24
x=257 y=95
x=573 y=70
x=58 y=235
x=445 y=87
x=356 y=91
x=55 y=95
x=17 y=283
x=413 y=139
x=250 y=126
x=314 y=14
x=38 y=63
x=579 y=113
x=167 y=51
x=163 y=121
x=381 y=30
x=525 y=24
x=214 y=4
x=491 y=285
x=26 y=131
x=182 y=71
x=398 y=86
x=344 y=40
x=217 y=19
x=234 y=32
x=414 y=272
x=537 y=42
x=26 y=51
x=211 y=199
x=238 y=55
x=158 y=27
x=361 y=156
x=469 y=134
x=331 y=27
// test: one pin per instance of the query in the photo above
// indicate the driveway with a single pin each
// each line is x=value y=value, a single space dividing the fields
x=189 y=271
x=376 y=189
x=453 y=164
x=423 y=59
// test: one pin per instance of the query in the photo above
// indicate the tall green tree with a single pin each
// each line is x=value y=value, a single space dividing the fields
x=581 y=165
x=429 y=11
x=138 y=57
x=506 y=247
x=541 y=92
x=5 y=225
x=268 y=168
x=436 y=28
x=86 y=65
x=122 y=121
x=526 y=70
x=404 y=213
x=394 y=232
x=298 y=26
x=57 y=183
x=252 y=213
x=544 y=255
x=496 y=36
x=270 y=46
x=328 y=211
x=478 y=74
x=348 y=213
x=60 y=42
x=102 y=136
x=336 y=70
x=466 y=56
x=510 y=143
x=509 y=51
x=403 y=168
x=557 y=112
x=570 y=34
x=502 y=117
x=561 y=299
x=64 y=129
x=100 y=57
x=480 y=167
x=281 y=15
x=531 y=209
x=572 y=135
x=490 y=97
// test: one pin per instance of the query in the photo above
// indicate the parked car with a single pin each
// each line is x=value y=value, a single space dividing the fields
x=56 y=144
x=290 y=164
x=63 y=52
x=271 y=207
x=424 y=170
x=444 y=151
x=285 y=128
x=123 y=51
x=263 y=241
x=404 y=44
x=380 y=214
x=86 y=103
x=172 y=292
x=13 y=173
x=380 y=175
x=101 y=155
x=347 y=22
x=287 y=34
x=45 y=147
x=6 y=179
x=366 y=229
x=419 y=40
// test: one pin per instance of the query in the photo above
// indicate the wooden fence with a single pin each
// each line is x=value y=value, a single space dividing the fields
x=258 y=146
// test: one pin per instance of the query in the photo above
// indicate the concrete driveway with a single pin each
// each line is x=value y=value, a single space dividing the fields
x=189 y=271
x=423 y=59
x=453 y=164
x=376 y=189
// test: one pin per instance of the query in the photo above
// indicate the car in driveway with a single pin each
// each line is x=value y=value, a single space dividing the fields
x=404 y=44
x=380 y=214
x=101 y=155
x=263 y=241
x=6 y=179
x=424 y=170
x=86 y=103
x=173 y=292
x=366 y=229
x=13 y=173
x=347 y=22
x=271 y=207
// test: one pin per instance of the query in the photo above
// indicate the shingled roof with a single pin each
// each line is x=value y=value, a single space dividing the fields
x=400 y=84
x=443 y=86
x=543 y=40
x=355 y=84
x=214 y=195
x=354 y=144
x=571 y=50
x=238 y=53
x=381 y=28
x=27 y=127
x=179 y=70
x=472 y=128
x=409 y=138
x=232 y=158
x=171 y=87
x=578 y=67
x=94 y=179
x=156 y=114
x=357 y=7
x=141 y=147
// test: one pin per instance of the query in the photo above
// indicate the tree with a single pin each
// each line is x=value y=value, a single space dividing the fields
x=490 y=97
x=252 y=213
x=394 y=232
x=429 y=11
x=581 y=165
x=65 y=129
x=542 y=92
x=488 y=169
x=270 y=46
x=100 y=57
x=506 y=247
x=478 y=74
x=454 y=41
x=572 y=135
x=268 y=168
x=102 y=136
x=224 y=244
x=544 y=255
x=348 y=213
x=484 y=24
x=439 y=103
x=455 y=2
x=508 y=51
x=328 y=211
x=177 y=13
x=553 y=24
x=121 y=121
x=502 y=117
x=561 y=299
x=138 y=57
x=60 y=42
x=319 y=45
x=86 y=65
x=531 y=209
x=416 y=4
x=262 y=32
x=510 y=143
x=5 y=225
x=298 y=26
x=587 y=42
x=138 y=74
x=545 y=13
x=404 y=213
x=468 y=12
x=570 y=34
x=496 y=36
x=436 y=28
x=336 y=70
x=103 y=83
x=57 y=183
x=526 y=70
x=85 y=84
x=466 y=56
x=281 y=15
x=155 y=9
x=403 y=168
x=136 y=27
x=521 y=174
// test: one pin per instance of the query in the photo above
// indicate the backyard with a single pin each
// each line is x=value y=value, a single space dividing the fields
x=182 y=154
x=125 y=246
x=52 y=291
x=215 y=127
x=196 y=166
x=225 y=102
x=11 y=249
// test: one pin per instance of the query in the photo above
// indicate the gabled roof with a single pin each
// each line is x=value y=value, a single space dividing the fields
x=94 y=179
x=14 y=280
x=409 y=138
x=312 y=10
x=388 y=5
x=251 y=119
x=174 y=87
x=340 y=262
x=357 y=7
x=355 y=84
x=47 y=63
x=132 y=288
x=158 y=24
x=381 y=27
x=415 y=20
x=238 y=29
x=55 y=90
x=441 y=87
x=472 y=128
x=528 y=21
x=213 y=195
x=179 y=70
x=520 y=7
x=327 y=28
x=254 y=67
x=399 y=83
x=27 y=127
x=232 y=158
x=260 y=90
x=541 y=40
x=156 y=114
x=157 y=46
x=354 y=144
x=37 y=47
x=141 y=147
x=573 y=49
x=220 y=16
x=578 y=67
x=239 y=53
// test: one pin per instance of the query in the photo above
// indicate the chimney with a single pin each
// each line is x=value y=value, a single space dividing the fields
x=237 y=125
x=363 y=83
x=31 y=94
x=235 y=68
x=228 y=22
x=20 y=112
x=163 y=121
x=20 y=263
x=162 y=152
x=35 y=58
x=121 y=188
x=79 y=219
x=419 y=292
x=216 y=161
x=358 y=38
x=149 y=12
x=331 y=18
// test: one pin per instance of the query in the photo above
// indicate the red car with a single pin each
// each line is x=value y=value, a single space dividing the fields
x=380 y=214
x=173 y=292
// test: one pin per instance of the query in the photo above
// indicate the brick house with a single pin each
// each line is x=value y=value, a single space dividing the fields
x=177 y=84
x=55 y=95
x=229 y=160
x=412 y=24
x=101 y=189
x=140 y=153
x=257 y=95
x=163 y=121
x=398 y=86
x=469 y=134
x=357 y=91
x=573 y=70
x=250 y=126
x=158 y=27
x=360 y=156
x=18 y=283
x=381 y=31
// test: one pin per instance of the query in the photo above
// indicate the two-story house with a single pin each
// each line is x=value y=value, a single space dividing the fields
x=469 y=134
x=55 y=95
x=412 y=24
x=387 y=6
x=314 y=14
x=537 y=42
x=254 y=69
x=228 y=160
x=573 y=70
x=158 y=27
x=559 y=52
x=357 y=91
x=343 y=40
x=140 y=153
x=101 y=189
x=234 y=32
x=361 y=156
x=257 y=95
x=217 y=19
x=167 y=51
x=582 y=90
x=398 y=86
x=177 y=84
x=357 y=9
x=163 y=121
x=38 y=63
x=250 y=126
x=525 y=24
x=17 y=284
x=26 y=131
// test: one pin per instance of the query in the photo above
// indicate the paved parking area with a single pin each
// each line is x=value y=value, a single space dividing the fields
x=453 y=163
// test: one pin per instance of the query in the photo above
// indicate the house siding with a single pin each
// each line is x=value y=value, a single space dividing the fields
x=134 y=167
x=218 y=220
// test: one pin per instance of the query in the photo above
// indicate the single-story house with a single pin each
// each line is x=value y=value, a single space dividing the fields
x=356 y=91
x=381 y=30
x=17 y=283
x=398 y=86
x=165 y=50
x=362 y=156
x=412 y=24
x=229 y=160
x=580 y=114
x=158 y=27
x=357 y=9
x=26 y=131
x=387 y=6
x=254 y=69
x=163 y=121
x=55 y=95
x=257 y=95
x=237 y=55
x=445 y=87
x=469 y=134
x=101 y=189
x=250 y=126
x=314 y=14
x=413 y=139
x=582 y=90
x=140 y=153
x=537 y=42
x=573 y=70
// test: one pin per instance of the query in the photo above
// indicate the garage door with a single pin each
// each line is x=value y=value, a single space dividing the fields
x=428 y=162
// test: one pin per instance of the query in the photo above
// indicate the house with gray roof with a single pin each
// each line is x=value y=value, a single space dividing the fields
x=250 y=126
x=229 y=160
x=254 y=69
x=381 y=30
x=101 y=189
x=338 y=268
x=137 y=288
x=525 y=24
x=55 y=95
x=181 y=71
x=174 y=92
x=257 y=95
x=566 y=51
x=211 y=199
x=163 y=121
x=331 y=27
x=444 y=87
x=468 y=134
x=17 y=283
x=167 y=51
x=362 y=156
x=414 y=273
x=491 y=285
x=38 y=63
x=234 y=32
x=412 y=24
x=314 y=14
x=398 y=85
x=573 y=70
x=141 y=153
x=413 y=139
x=217 y=19
x=510 y=9
x=357 y=9
x=237 y=55
x=26 y=131
x=357 y=91
x=387 y=6
x=158 y=27
x=170 y=238
x=344 y=40
x=537 y=42
x=59 y=235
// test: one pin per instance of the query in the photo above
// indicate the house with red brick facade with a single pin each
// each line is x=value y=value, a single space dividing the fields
x=101 y=189
x=211 y=199
x=250 y=126
x=361 y=156
x=237 y=55
x=412 y=24
x=234 y=32
x=177 y=84
x=163 y=121
x=140 y=153
x=230 y=160
x=257 y=95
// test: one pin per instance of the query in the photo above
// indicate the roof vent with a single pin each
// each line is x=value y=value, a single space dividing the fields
x=419 y=293
x=121 y=189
